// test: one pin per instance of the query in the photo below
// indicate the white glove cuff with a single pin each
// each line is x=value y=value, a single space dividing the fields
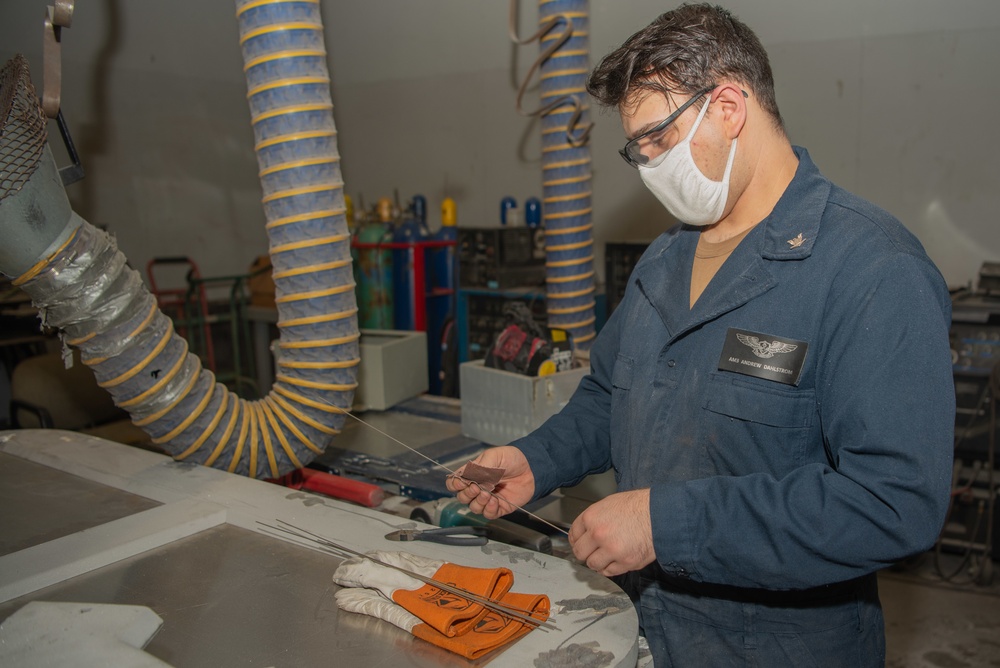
x=369 y=602
x=360 y=572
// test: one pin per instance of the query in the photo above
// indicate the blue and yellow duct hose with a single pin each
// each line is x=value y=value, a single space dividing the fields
x=82 y=285
x=566 y=168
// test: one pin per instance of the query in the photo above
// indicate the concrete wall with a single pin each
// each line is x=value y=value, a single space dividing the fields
x=894 y=99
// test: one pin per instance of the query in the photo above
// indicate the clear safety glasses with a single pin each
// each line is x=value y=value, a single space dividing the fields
x=648 y=149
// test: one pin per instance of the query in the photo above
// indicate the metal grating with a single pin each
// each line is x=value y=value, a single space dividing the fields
x=23 y=130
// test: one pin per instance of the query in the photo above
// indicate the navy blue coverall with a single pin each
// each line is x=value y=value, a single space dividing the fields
x=795 y=429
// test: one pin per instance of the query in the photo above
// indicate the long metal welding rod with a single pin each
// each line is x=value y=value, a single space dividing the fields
x=496 y=606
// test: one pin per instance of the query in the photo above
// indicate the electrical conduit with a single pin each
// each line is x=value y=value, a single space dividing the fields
x=82 y=286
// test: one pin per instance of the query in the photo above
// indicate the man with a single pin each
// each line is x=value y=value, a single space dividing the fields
x=774 y=392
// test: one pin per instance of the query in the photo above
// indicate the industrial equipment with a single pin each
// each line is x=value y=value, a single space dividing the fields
x=973 y=525
x=501 y=257
x=480 y=314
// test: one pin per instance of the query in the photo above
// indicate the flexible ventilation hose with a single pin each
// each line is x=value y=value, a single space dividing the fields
x=81 y=283
x=566 y=170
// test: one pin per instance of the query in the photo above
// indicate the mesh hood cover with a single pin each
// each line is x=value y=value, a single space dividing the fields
x=22 y=129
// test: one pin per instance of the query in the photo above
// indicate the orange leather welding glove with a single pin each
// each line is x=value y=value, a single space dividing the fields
x=451 y=614
x=493 y=630
x=447 y=613
x=491 y=633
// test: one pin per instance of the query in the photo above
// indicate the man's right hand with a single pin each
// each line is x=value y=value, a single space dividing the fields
x=515 y=488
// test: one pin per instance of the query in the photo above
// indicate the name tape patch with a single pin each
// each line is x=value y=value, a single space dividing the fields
x=763 y=356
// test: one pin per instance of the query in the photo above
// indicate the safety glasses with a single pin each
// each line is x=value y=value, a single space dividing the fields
x=648 y=149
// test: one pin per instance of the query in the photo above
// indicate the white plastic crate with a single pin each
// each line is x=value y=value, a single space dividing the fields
x=500 y=406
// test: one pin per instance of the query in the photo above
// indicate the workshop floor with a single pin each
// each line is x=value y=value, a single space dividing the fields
x=932 y=623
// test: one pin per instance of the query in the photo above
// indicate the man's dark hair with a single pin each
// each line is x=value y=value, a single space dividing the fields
x=686 y=50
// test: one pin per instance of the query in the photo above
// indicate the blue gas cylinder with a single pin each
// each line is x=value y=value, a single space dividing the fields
x=533 y=212
x=509 y=214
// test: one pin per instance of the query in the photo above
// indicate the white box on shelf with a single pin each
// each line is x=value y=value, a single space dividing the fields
x=393 y=368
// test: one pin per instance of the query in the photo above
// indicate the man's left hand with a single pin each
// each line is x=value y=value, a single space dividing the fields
x=615 y=535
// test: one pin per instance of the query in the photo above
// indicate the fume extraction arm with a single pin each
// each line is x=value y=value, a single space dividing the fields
x=82 y=286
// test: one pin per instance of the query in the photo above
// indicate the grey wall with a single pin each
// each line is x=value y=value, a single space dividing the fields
x=894 y=99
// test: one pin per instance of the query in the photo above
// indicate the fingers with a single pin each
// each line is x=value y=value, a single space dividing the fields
x=455 y=483
x=514 y=487
x=483 y=502
x=465 y=490
x=614 y=536
x=585 y=545
x=587 y=549
x=472 y=493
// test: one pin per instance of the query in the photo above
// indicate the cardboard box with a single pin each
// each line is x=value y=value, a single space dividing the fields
x=500 y=406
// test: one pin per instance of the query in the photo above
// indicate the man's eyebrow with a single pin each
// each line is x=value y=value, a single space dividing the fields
x=645 y=128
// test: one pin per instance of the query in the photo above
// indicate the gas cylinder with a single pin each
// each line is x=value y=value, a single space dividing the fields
x=419 y=207
x=373 y=270
x=406 y=293
x=509 y=213
x=443 y=267
x=533 y=212
x=349 y=213
x=441 y=291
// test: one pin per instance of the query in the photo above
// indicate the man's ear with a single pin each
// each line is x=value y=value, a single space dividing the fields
x=733 y=99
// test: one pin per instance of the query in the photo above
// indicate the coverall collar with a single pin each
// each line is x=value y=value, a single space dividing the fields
x=788 y=233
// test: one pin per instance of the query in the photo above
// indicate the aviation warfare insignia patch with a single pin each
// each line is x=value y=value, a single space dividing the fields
x=763 y=356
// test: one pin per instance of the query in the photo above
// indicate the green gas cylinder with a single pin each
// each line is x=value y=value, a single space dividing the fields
x=373 y=269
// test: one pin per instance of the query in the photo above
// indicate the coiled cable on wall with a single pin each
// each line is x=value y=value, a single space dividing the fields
x=566 y=163
x=83 y=286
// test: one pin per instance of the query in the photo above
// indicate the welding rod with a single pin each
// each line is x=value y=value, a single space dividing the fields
x=496 y=606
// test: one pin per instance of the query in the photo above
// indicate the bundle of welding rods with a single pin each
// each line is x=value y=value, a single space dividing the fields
x=310 y=539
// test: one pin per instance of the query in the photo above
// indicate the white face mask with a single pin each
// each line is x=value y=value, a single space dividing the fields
x=689 y=195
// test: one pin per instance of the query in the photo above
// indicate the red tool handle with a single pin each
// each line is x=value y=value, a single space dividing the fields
x=364 y=493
